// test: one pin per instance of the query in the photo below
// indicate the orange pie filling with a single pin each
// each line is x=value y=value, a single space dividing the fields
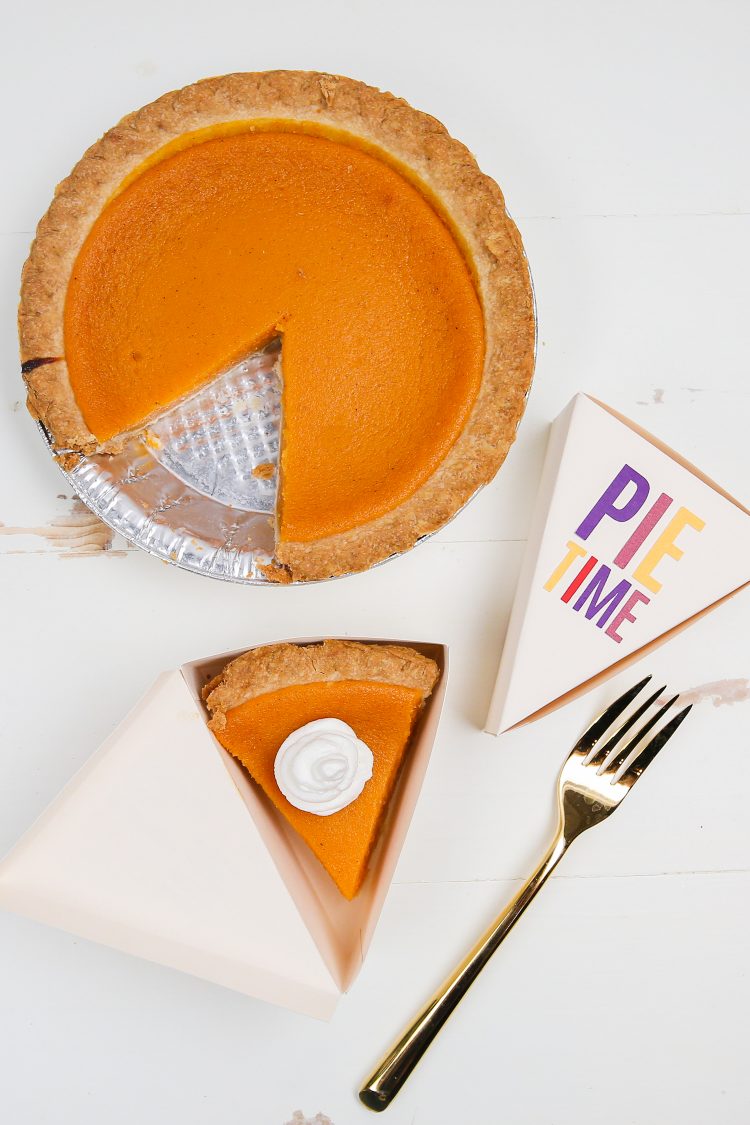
x=218 y=244
x=381 y=714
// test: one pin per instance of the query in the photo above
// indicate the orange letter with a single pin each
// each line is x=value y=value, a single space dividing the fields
x=665 y=545
x=574 y=552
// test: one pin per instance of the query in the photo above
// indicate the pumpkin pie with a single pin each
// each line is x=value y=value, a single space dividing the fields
x=262 y=700
x=313 y=208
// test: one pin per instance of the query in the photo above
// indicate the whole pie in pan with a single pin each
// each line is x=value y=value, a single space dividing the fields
x=324 y=702
x=319 y=210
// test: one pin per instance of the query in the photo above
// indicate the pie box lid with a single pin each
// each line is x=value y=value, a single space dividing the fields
x=162 y=846
x=553 y=651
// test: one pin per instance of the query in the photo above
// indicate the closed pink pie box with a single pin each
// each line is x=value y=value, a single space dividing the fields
x=162 y=846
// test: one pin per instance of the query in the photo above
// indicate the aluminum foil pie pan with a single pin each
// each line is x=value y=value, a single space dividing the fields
x=198 y=487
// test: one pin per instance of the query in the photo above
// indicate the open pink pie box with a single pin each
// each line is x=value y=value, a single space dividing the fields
x=164 y=847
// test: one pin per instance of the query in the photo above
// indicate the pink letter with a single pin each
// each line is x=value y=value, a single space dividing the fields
x=625 y=614
x=644 y=529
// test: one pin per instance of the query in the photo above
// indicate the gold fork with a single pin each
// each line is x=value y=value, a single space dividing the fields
x=594 y=780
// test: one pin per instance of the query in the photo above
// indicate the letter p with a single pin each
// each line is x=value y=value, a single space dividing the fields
x=606 y=505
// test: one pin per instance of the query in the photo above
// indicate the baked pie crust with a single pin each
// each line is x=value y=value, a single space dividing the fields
x=415 y=144
x=272 y=667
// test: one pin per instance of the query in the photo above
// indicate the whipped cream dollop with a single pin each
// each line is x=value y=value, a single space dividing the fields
x=322 y=767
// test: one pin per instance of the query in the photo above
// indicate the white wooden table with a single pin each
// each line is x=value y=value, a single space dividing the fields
x=618 y=132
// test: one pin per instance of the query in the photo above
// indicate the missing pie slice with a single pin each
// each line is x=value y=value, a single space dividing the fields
x=314 y=208
x=271 y=698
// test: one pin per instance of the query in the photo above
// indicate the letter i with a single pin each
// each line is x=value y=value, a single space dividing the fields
x=644 y=529
x=579 y=579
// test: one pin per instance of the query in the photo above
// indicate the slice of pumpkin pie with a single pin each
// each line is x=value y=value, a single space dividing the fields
x=321 y=210
x=323 y=729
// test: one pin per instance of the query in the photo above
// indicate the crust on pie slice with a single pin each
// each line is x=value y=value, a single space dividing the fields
x=271 y=667
x=264 y=695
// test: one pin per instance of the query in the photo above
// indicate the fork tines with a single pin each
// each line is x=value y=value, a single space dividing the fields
x=646 y=756
x=599 y=752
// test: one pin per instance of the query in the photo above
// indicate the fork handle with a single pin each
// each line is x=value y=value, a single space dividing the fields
x=382 y=1087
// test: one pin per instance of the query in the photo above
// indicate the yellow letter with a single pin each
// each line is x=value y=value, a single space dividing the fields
x=665 y=545
x=574 y=552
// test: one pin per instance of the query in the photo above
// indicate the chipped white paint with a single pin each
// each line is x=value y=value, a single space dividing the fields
x=73 y=535
x=298 y=1118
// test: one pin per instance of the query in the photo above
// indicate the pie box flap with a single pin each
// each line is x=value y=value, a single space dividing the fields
x=553 y=651
x=162 y=846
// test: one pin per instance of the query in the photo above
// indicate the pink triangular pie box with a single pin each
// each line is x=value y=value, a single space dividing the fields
x=162 y=846
x=672 y=542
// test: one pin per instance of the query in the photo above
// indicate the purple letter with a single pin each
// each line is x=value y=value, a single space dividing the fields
x=606 y=605
x=605 y=505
